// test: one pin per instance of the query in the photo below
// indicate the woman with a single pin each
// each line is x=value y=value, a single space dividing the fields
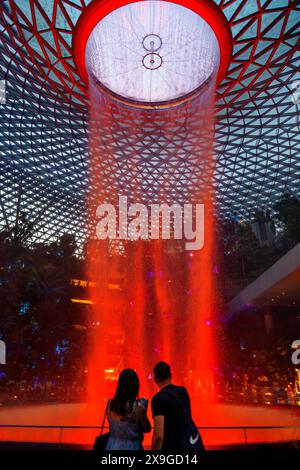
x=127 y=414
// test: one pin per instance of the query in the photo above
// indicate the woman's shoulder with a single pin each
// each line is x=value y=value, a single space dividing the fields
x=109 y=409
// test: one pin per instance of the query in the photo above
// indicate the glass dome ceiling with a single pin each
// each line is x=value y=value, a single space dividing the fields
x=152 y=52
x=43 y=165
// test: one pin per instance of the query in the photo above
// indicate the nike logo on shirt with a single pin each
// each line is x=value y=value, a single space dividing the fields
x=193 y=441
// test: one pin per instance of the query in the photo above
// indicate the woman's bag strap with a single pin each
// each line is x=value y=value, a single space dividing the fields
x=104 y=417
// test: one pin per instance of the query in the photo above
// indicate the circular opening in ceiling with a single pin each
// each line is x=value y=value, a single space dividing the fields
x=152 y=52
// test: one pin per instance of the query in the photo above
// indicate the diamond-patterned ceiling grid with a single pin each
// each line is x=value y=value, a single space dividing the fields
x=43 y=145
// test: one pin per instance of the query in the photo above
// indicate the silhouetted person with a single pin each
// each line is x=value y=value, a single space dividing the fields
x=127 y=414
x=174 y=429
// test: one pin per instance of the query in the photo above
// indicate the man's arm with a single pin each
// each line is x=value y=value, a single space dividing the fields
x=158 y=433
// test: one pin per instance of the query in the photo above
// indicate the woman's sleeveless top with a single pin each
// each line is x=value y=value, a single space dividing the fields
x=125 y=434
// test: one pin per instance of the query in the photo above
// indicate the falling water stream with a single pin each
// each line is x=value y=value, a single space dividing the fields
x=153 y=299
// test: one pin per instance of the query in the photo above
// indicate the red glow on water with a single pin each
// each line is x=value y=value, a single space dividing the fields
x=285 y=422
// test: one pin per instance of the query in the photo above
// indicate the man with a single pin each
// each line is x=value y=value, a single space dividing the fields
x=167 y=406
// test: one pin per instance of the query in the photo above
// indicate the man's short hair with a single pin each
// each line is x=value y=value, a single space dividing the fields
x=162 y=371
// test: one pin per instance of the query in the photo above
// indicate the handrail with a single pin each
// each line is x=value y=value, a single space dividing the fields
x=245 y=439
x=50 y=426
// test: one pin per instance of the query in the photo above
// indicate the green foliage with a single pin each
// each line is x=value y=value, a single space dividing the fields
x=35 y=292
x=287 y=211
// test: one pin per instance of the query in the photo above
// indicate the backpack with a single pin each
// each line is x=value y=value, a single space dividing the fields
x=191 y=441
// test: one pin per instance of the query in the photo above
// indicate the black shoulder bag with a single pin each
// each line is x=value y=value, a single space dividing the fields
x=191 y=440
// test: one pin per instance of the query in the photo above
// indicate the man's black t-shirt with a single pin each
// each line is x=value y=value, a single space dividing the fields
x=167 y=403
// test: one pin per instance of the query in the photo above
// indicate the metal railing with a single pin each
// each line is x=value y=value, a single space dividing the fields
x=85 y=435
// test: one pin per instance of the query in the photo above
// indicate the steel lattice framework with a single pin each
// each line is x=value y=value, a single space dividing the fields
x=43 y=167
